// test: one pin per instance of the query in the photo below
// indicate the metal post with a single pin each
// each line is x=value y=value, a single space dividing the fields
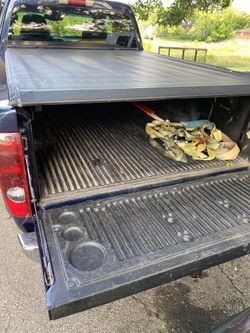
x=183 y=54
x=195 y=55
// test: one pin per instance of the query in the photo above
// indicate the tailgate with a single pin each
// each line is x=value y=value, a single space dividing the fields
x=102 y=250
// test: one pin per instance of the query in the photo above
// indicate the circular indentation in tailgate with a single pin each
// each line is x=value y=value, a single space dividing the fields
x=72 y=234
x=67 y=217
x=87 y=256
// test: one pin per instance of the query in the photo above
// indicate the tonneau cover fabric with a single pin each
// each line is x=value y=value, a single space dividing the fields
x=61 y=76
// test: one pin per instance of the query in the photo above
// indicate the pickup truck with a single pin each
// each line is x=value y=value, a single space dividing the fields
x=110 y=214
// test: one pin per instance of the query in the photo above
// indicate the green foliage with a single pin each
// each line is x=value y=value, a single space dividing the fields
x=148 y=47
x=213 y=26
x=182 y=10
x=171 y=32
x=179 y=11
x=143 y=9
x=217 y=25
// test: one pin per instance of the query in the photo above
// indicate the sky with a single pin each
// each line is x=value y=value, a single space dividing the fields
x=243 y=5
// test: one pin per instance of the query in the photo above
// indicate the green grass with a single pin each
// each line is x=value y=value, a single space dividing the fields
x=232 y=54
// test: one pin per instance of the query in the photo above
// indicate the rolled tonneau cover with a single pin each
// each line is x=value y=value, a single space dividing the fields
x=62 y=76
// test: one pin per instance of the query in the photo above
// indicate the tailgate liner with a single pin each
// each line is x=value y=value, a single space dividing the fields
x=106 y=249
x=106 y=149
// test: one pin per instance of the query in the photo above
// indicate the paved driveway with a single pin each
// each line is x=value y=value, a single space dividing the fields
x=187 y=305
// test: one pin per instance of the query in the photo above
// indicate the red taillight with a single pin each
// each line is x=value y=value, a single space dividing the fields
x=13 y=178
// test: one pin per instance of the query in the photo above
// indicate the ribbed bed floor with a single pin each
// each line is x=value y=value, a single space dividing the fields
x=97 y=151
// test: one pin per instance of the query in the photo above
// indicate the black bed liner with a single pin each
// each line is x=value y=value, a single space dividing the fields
x=106 y=249
x=104 y=150
x=64 y=76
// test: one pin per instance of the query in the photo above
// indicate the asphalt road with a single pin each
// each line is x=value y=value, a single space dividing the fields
x=187 y=305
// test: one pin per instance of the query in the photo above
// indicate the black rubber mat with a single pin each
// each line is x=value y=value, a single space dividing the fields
x=102 y=149
x=118 y=246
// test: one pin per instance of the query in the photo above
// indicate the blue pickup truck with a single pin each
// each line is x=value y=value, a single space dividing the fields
x=109 y=213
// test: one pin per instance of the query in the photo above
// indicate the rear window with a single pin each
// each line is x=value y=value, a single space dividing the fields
x=80 y=26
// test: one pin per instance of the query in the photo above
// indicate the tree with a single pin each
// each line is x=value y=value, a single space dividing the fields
x=179 y=11
x=218 y=25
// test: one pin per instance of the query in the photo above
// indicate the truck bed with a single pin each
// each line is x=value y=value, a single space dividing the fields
x=126 y=75
x=105 y=150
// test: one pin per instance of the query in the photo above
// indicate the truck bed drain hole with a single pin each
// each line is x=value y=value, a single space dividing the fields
x=87 y=256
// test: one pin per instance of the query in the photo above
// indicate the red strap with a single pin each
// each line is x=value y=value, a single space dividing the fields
x=145 y=109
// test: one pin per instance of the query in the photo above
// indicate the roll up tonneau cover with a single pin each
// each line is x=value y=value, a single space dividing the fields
x=38 y=76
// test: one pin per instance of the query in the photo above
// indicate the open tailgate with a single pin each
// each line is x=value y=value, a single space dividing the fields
x=102 y=250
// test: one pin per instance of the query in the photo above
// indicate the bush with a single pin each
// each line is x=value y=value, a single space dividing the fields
x=171 y=32
x=218 y=25
x=148 y=47
x=203 y=26
x=209 y=39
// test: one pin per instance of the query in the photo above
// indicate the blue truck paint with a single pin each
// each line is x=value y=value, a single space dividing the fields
x=8 y=120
